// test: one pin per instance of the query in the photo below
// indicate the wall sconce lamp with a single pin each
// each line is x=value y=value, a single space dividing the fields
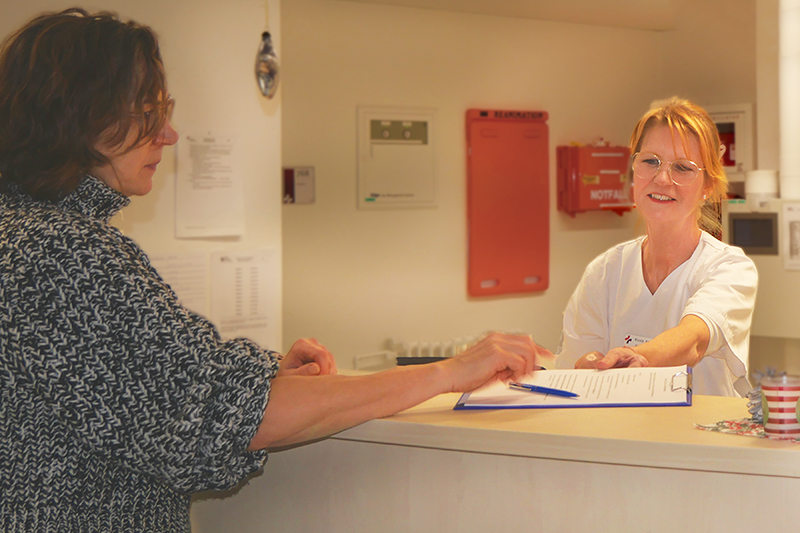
x=267 y=66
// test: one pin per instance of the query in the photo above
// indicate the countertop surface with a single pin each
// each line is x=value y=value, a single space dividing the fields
x=661 y=437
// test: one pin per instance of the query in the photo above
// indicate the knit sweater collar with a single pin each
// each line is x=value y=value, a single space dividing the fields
x=95 y=199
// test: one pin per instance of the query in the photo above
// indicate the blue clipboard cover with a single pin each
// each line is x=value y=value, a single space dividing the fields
x=616 y=387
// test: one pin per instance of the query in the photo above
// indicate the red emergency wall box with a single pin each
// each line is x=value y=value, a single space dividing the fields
x=508 y=202
x=593 y=178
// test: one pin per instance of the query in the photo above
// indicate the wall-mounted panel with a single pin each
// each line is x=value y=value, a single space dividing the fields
x=508 y=202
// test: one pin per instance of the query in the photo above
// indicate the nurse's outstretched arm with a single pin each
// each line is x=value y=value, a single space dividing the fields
x=685 y=344
x=303 y=408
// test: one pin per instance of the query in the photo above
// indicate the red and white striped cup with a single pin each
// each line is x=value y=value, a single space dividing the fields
x=779 y=396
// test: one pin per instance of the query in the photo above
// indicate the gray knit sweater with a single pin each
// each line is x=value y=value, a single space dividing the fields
x=116 y=403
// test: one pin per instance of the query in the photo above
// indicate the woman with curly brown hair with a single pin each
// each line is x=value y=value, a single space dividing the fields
x=117 y=403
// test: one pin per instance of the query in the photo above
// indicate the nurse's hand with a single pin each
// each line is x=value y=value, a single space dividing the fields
x=621 y=357
x=307 y=357
x=589 y=360
x=615 y=358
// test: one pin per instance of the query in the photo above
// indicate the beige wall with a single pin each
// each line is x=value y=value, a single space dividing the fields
x=711 y=57
x=354 y=279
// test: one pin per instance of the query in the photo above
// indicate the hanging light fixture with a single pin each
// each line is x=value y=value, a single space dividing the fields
x=267 y=63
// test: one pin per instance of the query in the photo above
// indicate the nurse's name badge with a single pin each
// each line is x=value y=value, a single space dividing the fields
x=635 y=340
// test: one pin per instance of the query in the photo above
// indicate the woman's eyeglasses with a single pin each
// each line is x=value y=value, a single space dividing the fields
x=150 y=116
x=647 y=165
x=153 y=114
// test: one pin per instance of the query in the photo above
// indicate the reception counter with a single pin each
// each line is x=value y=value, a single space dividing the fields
x=596 y=469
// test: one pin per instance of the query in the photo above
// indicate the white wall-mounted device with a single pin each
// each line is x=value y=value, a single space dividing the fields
x=396 y=164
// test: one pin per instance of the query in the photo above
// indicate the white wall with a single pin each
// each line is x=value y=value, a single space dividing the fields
x=354 y=279
x=711 y=56
x=775 y=343
x=767 y=92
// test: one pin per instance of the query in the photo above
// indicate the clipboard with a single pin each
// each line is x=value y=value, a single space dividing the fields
x=616 y=387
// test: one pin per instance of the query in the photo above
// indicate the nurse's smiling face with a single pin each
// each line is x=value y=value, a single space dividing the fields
x=659 y=199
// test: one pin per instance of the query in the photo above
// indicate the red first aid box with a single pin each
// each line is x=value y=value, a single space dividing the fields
x=593 y=178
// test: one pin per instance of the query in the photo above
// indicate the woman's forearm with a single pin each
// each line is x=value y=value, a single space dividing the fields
x=306 y=408
x=302 y=408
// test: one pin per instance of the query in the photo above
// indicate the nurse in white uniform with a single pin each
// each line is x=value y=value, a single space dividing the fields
x=677 y=295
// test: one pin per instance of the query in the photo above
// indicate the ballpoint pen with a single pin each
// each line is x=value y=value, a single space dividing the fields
x=542 y=390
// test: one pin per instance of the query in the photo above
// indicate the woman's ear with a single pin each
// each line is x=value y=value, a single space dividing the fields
x=708 y=192
x=722 y=149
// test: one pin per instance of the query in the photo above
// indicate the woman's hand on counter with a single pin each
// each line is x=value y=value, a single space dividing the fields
x=307 y=357
x=496 y=356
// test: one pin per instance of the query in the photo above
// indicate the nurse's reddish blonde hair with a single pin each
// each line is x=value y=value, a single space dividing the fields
x=687 y=119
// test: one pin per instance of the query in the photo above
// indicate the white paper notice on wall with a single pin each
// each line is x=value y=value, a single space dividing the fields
x=244 y=295
x=209 y=201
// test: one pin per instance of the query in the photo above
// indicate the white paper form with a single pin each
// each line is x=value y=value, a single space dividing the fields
x=244 y=292
x=791 y=236
x=187 y=274
x=209 y=201
x=617 y=387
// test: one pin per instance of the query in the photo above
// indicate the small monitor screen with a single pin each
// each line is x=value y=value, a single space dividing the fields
x=755 y=233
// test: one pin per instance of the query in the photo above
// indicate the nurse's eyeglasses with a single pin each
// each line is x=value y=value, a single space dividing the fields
x=647 y=165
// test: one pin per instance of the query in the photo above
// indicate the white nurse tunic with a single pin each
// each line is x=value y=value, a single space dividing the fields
x=613 y=307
